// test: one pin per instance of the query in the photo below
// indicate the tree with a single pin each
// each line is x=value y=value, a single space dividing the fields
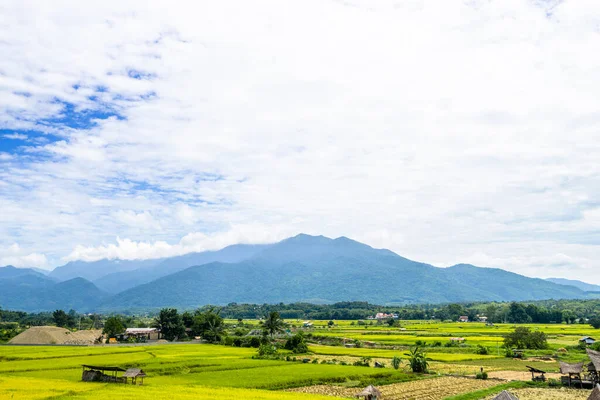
x=517 y=313
x=188 y=319
x=273 y=324
x=170 y=324
x=209 y=325
x=418 y=360
x=595 y=322
x=61 y=319
x=330 y=324
x=523 y=338
x=296 y=344
x=113 y=326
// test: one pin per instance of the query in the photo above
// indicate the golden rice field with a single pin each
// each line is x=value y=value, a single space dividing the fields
x=201 y=371
x=425 y=389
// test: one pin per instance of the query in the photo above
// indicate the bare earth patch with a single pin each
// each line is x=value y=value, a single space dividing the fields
x=549 y=394
x=519 y=375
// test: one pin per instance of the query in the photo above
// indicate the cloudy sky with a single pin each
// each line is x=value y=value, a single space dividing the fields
x=446 y=131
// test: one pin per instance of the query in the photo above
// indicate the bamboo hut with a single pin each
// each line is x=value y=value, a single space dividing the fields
x=93 y=373
x=134 y=373
x=370 y=393
x=594 y=365
x=541 y=375
x=504 y=395
x=573 y=372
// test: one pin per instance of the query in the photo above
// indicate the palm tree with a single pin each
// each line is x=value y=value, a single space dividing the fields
x=273 y=324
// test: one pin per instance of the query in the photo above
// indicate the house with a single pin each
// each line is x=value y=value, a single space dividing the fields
x=307 y=324
x=463 y=318
x=142 y=333
x=457 y=339
x=482 y=318
x=381 y=315
x=587 y=340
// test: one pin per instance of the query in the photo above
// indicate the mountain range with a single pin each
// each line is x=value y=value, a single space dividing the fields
x=301 y=268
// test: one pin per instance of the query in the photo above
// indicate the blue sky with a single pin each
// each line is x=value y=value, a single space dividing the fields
x=448 y=132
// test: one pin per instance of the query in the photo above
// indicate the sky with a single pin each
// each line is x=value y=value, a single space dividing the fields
x=446 y=131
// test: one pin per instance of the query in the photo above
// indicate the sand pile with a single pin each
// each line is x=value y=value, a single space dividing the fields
x=55 y=335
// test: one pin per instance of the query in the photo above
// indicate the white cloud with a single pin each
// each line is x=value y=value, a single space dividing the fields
x=17 y=257
x=16 y=136
x=127 y=249
x=440 y=130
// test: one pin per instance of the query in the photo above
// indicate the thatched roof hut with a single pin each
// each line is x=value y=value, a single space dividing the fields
x=568 y=369
x=504 y=395
x=595 y=357
x=595 y=395
x=370 y=393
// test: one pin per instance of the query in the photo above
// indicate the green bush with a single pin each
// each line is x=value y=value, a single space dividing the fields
x=481 y=375
x=482 y=350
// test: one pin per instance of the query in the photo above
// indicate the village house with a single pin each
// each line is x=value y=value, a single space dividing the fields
x=587 y=340
x=463 y=318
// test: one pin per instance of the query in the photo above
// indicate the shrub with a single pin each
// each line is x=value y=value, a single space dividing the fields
x=554 y=382
x=482 y=350
x=363 y=362
x=396 y=361
x=254 y=342
x=481 y=375
x=267 y=350
x=418 y=360
x=437 y=343
x=296 y=344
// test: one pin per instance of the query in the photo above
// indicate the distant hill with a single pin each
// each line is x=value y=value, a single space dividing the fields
x=28 y=290
x=316 y=268
x=97 y=269
x=119 y=281
x=586 y=287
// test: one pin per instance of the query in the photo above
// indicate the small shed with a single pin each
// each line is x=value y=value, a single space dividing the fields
x=504 y=395
x=463 y=318
x=594 y=368
x=537 y=375
x=370 y=393
x=587 y=340
x=94 y=373
x=573 y=371
x=134 y=374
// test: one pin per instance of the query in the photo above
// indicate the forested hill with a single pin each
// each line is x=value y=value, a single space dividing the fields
x=303 y=268
x=321 y=270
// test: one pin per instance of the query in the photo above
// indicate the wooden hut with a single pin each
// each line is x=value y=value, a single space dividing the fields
x=134 y=374
x=93 y=373
x=573 y=372
x=370 y=393
x=595 y=395
x=594 y=366
x=537 y=375
x=504 y=395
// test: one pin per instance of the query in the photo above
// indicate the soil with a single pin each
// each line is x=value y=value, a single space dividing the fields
x=56 y=335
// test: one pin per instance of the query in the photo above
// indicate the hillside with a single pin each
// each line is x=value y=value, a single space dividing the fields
x=319 y=269
x=28 y=290
x=119 y=281
x=586 y=287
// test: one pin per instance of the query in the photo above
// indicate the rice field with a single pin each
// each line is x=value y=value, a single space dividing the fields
x=202 y=371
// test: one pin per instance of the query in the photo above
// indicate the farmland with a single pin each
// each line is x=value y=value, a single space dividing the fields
x=195 y=370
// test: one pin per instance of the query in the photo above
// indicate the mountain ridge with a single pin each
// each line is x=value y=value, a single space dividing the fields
x=299 y=268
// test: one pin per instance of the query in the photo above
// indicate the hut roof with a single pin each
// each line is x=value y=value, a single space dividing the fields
x=134 y=373
x=595 y=395
x=369 y=391
x=566 y=368
x=531 y=369
x=504 y=395
x=97 y=368
x=595 y=357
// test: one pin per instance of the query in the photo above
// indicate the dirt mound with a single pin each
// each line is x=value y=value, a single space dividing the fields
x=55 y=335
